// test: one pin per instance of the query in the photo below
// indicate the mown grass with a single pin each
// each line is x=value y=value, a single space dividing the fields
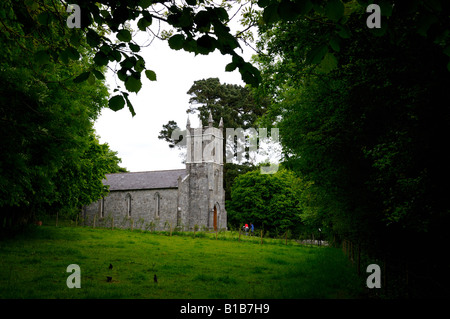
x=34 y=266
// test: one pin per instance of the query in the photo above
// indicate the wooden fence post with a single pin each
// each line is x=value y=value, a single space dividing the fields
x=358 y=265
x=261 y=237
x=351 y=252
x=112 y=223
x=385 y=273
x=408 y=292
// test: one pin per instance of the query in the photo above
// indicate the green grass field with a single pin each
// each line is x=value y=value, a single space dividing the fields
x=34 y=266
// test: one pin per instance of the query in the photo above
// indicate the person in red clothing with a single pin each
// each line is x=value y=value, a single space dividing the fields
x=246 y=229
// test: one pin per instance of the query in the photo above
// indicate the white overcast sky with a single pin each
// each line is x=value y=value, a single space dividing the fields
x=136 y=138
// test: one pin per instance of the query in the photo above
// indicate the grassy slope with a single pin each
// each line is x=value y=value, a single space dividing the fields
x=34 y=266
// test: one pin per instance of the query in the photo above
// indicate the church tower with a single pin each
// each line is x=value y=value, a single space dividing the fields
x=205 y=194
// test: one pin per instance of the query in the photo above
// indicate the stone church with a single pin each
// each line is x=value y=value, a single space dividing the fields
x=178 y=199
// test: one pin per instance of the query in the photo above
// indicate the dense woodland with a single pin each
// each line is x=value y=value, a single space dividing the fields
x=363 y=115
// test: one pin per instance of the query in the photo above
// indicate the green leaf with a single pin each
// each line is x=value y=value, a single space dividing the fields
x=176 y=42
x=129 y=105
x=32 y=5
x=205 y=44
x=447 y=50
x=91 y=79
x=230 y=67
x=303 y=7
x=106 y=49
x=72 y=53
x=203 y=21
x=335 y=44
x=151 y=75
x=250 y=74
x=92 y=38
x=221 y=13
x=380 y=31
x=116 y=103
x=343 y=31
x=134 y=47
x=143 y=23
x=270 y=14
x=122 y=74
x=82 y=77
x=133 y=84
x=287 y=10
x=42 y=57
x=316 y=55
x=334 y=10
x=145 y=3
x=128 y=63
x=124 y=35
x=105 y=13
x=115 y=56
x=386 y=8
x=425 y=22
x=100 y=59
x=190 y=45
x=75 y=39
x=44 y=18
x=99 y=75
x=63 y=56
x=328 y=63
x=140 y=65
x=263 y=3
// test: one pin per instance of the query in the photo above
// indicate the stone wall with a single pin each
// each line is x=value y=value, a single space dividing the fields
x=143 y=210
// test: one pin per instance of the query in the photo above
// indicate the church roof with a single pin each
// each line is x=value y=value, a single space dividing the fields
x=144 y=180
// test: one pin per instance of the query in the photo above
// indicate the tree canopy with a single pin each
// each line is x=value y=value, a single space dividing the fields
x=50 y=156
x=366 y=126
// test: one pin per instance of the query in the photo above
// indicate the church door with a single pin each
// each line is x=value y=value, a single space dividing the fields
x=215 y=217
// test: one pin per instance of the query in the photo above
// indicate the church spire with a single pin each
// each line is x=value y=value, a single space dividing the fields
x=188 y=124
x=221 y=123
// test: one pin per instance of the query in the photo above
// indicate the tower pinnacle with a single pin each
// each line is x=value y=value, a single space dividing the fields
x=210 y=120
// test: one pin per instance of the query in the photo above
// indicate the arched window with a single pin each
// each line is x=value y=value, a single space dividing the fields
x=157 y=204
x=216 y=181
x=102 y=207
x=128 y=200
